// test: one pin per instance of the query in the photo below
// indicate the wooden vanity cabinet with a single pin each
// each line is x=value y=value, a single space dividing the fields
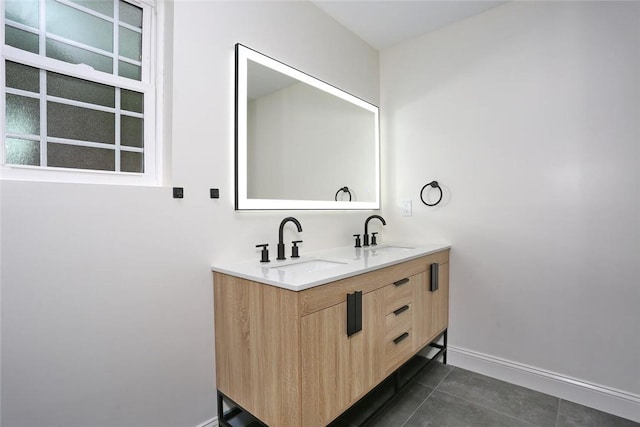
x=338 y=369
x=257 y=334
x=431 y=314
x=285 y=356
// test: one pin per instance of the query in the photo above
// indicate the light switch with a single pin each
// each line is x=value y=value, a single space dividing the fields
x=405 y=208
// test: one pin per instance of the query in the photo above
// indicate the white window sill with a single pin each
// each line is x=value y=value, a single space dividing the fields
x=36 y=173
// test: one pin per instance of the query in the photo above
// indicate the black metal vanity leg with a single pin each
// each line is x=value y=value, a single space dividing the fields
x=220 y=409
x=222 y=421
x=444 y=356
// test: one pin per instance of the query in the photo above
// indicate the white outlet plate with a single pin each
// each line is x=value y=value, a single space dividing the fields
x=405 y=208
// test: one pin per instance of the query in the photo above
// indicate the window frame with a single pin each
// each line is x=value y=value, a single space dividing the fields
x=150 y=85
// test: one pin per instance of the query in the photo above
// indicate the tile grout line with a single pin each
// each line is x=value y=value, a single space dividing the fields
x=429 y=395
x=489 y=409
x=445 y=377
x=558 y=413
x=419 y=406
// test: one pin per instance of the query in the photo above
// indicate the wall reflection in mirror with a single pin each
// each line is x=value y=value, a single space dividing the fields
x=299 y=141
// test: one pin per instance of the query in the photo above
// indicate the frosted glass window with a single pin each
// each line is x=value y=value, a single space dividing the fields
x=132 y=101
x=72 y=24
x=75 y=55
x=68 y=121
x=131 y=162
x=80 y=90
x=130 y=14
x=131 y=132
x=129 y=71
x=22 y=115
x=22 y=11
x=103 y=7
x=23 y=152
x=71 y=156
x=80 y=32
x=130 y=44
x=22 y=77
x=21 y=39
x=79 y=117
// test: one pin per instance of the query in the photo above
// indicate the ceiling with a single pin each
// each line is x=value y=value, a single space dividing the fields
x=383 y=23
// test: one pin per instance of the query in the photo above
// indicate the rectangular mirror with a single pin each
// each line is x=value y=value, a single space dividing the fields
x=300 y=142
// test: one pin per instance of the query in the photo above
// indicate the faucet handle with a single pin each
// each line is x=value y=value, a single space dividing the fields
x=264 y=253
x=358 y=244
x=373 y=238
x=294 y=249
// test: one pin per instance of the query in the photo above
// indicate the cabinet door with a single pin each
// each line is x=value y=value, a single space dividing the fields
x=431 y=307
x=422 y=301
x=336 y=369
x=257 y=348
x=440 y=302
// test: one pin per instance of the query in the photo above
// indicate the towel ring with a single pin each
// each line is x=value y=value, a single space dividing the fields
x=433 y=184
x=346 y=190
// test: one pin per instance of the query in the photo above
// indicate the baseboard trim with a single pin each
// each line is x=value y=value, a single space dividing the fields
x=617 y=402
x=213 y=422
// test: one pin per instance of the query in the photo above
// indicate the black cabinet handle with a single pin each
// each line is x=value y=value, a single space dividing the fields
x=434 y=277
x=358 y=311
x=401 y=310
x=354 y=313
x=401 y=338
x=401 y=281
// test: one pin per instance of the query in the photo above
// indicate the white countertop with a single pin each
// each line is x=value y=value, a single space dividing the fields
x=326 y=266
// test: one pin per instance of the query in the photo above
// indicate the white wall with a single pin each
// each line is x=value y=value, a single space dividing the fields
x=529 y=116
x=106 y=290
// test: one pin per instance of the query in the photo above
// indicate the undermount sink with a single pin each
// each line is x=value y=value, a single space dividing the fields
x=390 y=248
x=308 y=266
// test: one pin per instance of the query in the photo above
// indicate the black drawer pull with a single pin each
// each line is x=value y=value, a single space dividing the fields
x=400 y=338
x=354 y=313
x=401 y=310
x=434 y=285
x=401 y=282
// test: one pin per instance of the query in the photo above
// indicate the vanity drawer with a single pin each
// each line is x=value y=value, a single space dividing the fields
x=398 y=322
x=320 y=297
x=398 y=349
x=399 y=293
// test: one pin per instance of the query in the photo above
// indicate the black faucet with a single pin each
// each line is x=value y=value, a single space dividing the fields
x=365 y=238
x=281 y=237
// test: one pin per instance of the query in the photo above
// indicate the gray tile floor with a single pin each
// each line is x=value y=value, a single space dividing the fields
x=445 y=396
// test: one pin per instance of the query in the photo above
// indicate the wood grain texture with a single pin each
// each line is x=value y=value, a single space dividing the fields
x=422 y=312
x=398 y=353
x=395 y=325
x=440 y=304
x=324 y=296
x=431 y=309
x=337 y=370
x=257 y=348
x=397 y=296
